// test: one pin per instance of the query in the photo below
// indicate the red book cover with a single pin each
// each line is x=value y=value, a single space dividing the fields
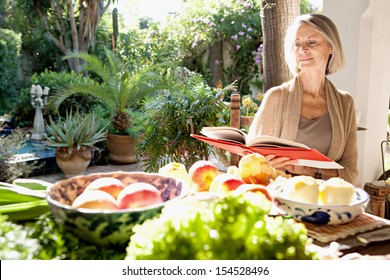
x=305 y=156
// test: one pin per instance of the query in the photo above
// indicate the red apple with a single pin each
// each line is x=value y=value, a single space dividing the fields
x=112 y=186
x=95 y=199
x=137 y=195
x=201 y=174
x=224 y=183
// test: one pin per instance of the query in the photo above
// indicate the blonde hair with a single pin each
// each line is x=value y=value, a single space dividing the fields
x=328 y=29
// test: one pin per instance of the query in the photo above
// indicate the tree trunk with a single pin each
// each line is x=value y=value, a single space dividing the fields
x=83 y=18
x=278 y=15
x=216 y=62
x=3 y=12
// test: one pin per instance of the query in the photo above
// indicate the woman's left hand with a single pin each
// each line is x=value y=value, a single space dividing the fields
x=301 y=170
x=287 y=164
x=280 y=162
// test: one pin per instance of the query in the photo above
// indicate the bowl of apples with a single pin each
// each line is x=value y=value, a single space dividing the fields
x=103 y=208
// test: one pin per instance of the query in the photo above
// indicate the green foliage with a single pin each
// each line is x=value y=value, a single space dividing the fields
x=115 y=86
x=57 y=80
x=47 y=240
x=23 y=112
x=15 y=243
x=185 y=107
x=236 y=23
x=148 y=46
x=75 y=131
x=10 y=45
x=307 y=8
x=22 y=203
x=235 y=227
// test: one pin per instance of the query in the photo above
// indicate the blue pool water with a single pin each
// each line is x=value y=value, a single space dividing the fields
x=33 y=150
x=42 y=154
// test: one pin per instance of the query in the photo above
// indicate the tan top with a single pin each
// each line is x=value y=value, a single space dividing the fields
x=316 y=133
x=279 y=115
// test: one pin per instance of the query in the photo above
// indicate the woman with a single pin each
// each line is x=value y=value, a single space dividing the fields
x=308 y=108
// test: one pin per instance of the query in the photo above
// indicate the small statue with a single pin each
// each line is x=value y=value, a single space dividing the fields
x=38 y=101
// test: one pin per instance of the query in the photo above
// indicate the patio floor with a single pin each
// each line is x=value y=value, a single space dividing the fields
x=54 y=177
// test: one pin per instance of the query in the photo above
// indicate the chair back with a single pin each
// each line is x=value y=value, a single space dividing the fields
x=237 y=121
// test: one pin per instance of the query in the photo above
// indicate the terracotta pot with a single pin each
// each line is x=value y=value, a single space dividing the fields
x=73 y=164
x=121 y=149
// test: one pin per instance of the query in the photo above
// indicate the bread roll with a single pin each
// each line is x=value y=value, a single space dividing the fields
x=336 y=191
x=301 y=189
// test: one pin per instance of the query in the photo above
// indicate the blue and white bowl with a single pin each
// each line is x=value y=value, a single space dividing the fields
x=108 y=227
x=315 y=213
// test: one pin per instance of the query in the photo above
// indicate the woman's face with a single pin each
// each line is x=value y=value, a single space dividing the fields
x=311 y=49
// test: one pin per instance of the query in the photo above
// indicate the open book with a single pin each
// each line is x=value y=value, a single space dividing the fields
x=236 y=141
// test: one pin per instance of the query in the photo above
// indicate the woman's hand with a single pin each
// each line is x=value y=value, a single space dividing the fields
x=281 y=162
x=287 y=164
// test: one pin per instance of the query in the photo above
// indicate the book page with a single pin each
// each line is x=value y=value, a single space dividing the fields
x=267 y=140
x=319 y=164
x=225 y=133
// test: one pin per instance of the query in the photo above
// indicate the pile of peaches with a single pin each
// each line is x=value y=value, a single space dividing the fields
x=253 y=173
x=110 y=194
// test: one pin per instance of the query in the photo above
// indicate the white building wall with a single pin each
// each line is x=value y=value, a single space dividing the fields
x=364 y=27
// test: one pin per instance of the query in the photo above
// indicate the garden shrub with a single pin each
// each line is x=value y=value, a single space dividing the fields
x=24 y=112
x=10 y=45
x=148 y=46
x=184 y=108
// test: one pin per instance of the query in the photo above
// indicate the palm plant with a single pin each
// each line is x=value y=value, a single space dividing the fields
x=116 y=87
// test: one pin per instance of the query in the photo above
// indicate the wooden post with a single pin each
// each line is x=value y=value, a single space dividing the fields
x=379 y=192
x=235 y=114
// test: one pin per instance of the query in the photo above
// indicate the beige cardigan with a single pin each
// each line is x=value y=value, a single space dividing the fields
x=279 y=115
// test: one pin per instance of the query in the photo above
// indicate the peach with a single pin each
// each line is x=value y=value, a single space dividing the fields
x=137 y=195
x=95 y=199
x=201 y=174
x=224 y=183
x=232 y=169
x=175 y=170
x=254 y=188
x=254 y=169
x=112 y=186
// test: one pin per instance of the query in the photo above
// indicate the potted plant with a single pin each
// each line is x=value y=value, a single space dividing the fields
x=74 y=138
x=118 y=89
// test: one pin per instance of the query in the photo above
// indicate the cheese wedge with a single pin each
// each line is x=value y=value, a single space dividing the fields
x=336 y=191
x=301 y=189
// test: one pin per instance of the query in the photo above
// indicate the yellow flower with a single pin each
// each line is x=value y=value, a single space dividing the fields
x=247 y=101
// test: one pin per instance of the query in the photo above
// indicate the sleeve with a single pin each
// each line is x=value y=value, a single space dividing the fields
x=349 y=158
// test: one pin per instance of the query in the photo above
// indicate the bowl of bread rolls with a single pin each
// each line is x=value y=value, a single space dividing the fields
x=323 y=202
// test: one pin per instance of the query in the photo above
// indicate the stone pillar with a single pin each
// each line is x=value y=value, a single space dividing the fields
x=364 y=28
x=373 y=86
